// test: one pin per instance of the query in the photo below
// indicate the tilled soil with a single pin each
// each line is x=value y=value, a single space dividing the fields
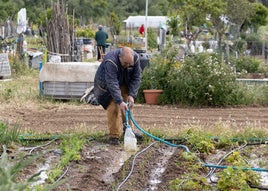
x=58 y=118
x=104 y=167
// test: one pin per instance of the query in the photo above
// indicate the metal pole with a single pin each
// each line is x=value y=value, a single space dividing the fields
x=146 y=14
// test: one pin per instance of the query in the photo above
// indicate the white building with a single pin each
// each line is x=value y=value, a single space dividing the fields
x=152 y=21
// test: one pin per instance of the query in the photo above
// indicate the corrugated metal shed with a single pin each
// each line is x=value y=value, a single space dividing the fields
x=67 y=80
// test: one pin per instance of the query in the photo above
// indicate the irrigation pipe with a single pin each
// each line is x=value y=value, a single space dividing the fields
x=33 y=148
x=65 y=172
x=133 y=163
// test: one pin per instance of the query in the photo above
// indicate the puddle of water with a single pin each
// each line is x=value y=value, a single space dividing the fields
x=264 y=175
x=118 y=161
x=160 y=168
x=43 y=175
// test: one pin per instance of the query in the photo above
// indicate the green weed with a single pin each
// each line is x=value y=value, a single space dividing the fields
x=70 y=146
x=10 y=171
x=8 y=135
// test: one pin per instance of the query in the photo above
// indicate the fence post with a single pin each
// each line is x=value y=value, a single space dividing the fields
x=40 y=83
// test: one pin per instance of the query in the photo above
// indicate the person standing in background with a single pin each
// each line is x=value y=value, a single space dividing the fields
x=101 y=37
x=141 y=30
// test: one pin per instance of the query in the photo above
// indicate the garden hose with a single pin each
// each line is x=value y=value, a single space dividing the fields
x=27 y=137
x=235 y=168
x=152 y=136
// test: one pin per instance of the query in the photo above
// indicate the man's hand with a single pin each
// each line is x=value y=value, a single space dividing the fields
x=130 y=101
x=123 y=107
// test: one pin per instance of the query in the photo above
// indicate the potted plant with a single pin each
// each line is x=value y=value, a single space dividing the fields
x=156 y=77
x=151 y=96
x=153 y=81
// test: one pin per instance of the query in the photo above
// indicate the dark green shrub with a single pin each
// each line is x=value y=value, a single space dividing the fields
x=204 y=80
x=247 y=63
x=152 y=39
x=200 y=80
x=157 y=74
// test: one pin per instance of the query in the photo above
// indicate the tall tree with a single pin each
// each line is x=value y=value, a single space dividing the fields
x=259 y=18
x=238 y=11
x=194 y=15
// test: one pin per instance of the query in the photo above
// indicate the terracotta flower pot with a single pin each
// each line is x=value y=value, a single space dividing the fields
x=151 y=96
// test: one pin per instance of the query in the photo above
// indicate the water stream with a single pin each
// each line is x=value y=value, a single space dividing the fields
x=44 y=168
x=155 y=177
x=118 y=161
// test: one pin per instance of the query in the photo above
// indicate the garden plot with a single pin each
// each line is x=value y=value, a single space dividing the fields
x=104 y=167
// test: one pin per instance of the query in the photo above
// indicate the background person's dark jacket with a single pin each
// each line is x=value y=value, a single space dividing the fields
x=101 y=37
x=111 y=75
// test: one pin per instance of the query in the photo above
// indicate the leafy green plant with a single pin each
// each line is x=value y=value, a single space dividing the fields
x=70 y=147
x=191 y=180
x=246 y=63
x=237 y=178
x=157 y=74
x=204 y=80
x=85 y=32
x=199 y=80
x=200 y=141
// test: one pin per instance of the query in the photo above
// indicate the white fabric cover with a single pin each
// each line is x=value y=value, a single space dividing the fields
x=69 y=71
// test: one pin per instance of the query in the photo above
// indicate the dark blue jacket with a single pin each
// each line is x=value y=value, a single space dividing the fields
x=111 y=75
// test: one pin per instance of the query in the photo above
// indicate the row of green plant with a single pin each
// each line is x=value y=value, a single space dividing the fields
x=70 y=147
x=11 y=167
x=228 y=179
x=200 y=80
x=191 y=169
x=203 y=144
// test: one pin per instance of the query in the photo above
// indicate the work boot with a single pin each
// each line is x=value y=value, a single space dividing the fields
x=114 y=141
x=138 y=136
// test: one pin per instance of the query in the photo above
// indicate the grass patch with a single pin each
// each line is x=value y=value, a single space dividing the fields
x=8 y=135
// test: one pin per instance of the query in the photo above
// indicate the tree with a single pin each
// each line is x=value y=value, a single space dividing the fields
x=258 y=19
x=116 y=24
x=174 y=24
x=194 y=15
x=218 y=24
x=9 y=9
x=238 y=11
